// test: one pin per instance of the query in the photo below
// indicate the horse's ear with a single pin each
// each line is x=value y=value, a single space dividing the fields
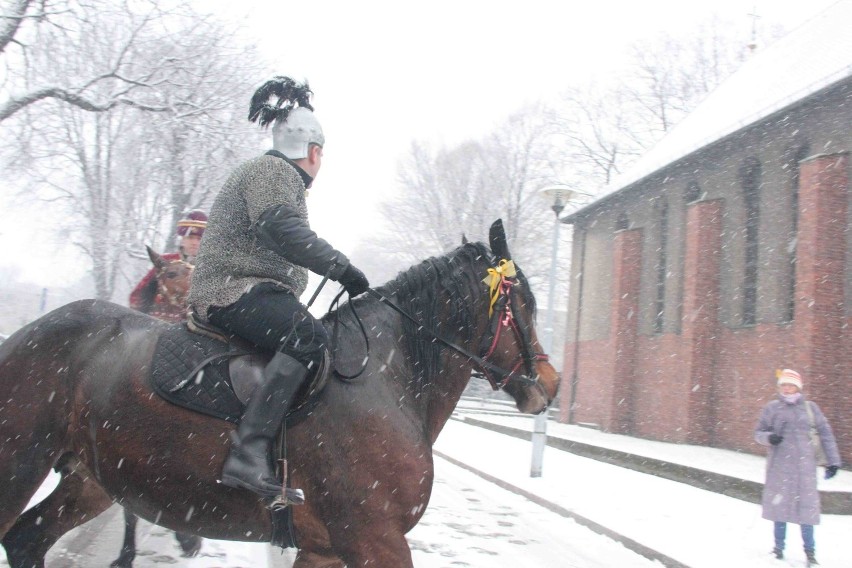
x=155 y=258
x=464 y=239
x=497 y=240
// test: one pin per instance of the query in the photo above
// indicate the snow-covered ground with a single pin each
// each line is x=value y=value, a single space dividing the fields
x=469 y=523
x=473 y=523
x=695 y=527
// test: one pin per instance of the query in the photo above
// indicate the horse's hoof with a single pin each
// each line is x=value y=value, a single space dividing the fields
x=191 y=553
x=189 y=544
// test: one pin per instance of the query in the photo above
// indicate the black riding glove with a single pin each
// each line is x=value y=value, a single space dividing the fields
x=354 y=281
x=775 y=439
x=830 y=471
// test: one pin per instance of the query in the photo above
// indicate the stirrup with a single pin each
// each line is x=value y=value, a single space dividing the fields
x=288 y=497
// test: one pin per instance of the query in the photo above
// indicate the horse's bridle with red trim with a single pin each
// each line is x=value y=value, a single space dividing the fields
x=503 y=318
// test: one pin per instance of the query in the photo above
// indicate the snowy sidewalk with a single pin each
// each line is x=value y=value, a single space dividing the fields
x=732 y=473
x=683 y=525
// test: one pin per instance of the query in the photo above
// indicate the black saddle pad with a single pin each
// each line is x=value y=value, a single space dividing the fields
x=179 y=373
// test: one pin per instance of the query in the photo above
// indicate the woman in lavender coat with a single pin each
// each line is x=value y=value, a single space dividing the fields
x=790 y=494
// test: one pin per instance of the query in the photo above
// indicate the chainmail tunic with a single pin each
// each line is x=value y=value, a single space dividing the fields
x=231 y=260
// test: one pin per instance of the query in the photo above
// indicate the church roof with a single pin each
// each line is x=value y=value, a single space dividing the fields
x=810 y=58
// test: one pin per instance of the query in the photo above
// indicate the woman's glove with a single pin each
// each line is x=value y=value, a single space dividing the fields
x=775 y=439
x=830 y=471
x=354 y=281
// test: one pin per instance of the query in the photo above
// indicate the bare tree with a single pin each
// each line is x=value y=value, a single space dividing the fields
x=583 y=141
x=37 y=35
x=124 y=175
x=604 y=127
x=461 y=190
x=671 y=75
x=595 y=135
x=208 y=127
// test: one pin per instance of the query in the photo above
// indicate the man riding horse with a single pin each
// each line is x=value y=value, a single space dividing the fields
x=253 y=266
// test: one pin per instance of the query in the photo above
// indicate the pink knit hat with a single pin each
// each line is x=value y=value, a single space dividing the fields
x=790 y=377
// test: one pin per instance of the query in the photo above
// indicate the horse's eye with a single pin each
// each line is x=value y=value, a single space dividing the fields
x=171 y=274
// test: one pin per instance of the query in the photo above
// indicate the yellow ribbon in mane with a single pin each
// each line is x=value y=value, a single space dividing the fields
x=504 y=269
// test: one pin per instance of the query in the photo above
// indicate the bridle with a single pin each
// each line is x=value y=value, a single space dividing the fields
x=171 y=298
x=501 y=280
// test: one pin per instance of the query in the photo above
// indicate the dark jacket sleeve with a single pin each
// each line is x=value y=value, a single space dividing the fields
x=281 y=230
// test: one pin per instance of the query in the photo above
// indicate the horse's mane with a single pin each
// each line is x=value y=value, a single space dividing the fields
x=445 y=294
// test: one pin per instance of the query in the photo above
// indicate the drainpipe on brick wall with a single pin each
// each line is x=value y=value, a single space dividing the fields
x=575 y=360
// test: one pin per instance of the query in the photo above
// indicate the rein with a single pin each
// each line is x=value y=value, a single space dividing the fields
x=480 y=362
x=501 y=316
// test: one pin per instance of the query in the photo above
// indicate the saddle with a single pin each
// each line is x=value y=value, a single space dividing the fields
x=199 y=367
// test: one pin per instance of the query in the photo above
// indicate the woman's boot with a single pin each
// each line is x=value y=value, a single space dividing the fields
x=811 y=556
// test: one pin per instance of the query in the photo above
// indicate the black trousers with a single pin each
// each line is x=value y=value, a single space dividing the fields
x=274 y=319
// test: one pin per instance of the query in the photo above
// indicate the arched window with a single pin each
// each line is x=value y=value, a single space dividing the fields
x=792 y=167
x=622 y=223
x=662 y=266
x=750 y=180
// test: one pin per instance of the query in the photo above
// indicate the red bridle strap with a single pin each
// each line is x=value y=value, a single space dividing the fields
x=507 y=320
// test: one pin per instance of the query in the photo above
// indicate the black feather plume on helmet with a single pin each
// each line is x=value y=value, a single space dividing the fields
x=289 y=93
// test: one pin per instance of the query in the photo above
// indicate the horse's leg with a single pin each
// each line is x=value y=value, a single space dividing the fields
x=385 y=550
x=189 y=543
x=128 y=547
x=15 y=492
x=76 y=500
x=32 y=436
x=325 y=559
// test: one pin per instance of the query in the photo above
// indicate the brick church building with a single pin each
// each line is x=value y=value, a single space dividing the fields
x=723 y=255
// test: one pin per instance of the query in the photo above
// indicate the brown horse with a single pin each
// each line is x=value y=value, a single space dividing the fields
x=75 y=395
x=174 y=277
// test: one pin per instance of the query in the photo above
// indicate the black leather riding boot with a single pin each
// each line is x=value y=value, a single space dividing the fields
x=249 y=464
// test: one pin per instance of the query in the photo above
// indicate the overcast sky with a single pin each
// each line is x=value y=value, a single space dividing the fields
x=387 y=73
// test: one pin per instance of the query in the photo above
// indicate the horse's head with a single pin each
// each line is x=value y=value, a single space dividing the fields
x=173 y=278
x=513 y=357
x=474 y=305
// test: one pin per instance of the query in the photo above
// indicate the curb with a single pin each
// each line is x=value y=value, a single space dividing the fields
x=833 y=502
x=627 y=542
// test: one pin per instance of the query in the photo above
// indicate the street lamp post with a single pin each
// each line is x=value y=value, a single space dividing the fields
x=557 y=197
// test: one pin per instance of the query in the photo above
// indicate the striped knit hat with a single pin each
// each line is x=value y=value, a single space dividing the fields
x=790 y=377
x=193 y=223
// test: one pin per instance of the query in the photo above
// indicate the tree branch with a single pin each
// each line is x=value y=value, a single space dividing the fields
x=13 y=22
x=16 y=104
